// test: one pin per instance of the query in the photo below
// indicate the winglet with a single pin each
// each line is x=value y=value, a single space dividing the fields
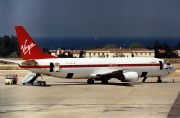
x=29 y=49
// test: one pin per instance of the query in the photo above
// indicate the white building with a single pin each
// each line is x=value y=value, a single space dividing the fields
x=143 y=52
x=177 y=52
x=115 y=52
x=75 y=53
x=109 y=52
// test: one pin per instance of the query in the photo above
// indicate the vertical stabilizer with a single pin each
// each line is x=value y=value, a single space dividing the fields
x=29 y=49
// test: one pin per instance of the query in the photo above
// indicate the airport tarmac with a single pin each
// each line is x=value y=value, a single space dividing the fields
x=74 y=98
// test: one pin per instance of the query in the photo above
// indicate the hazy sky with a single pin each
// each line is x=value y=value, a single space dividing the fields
x=92 y=18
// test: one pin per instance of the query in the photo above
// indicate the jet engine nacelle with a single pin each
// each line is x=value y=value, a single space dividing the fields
x=129 y=77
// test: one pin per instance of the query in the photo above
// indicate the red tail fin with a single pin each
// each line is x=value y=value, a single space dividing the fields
x=29 y=49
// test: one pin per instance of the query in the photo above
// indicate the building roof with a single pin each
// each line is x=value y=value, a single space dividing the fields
x=125 y=50
x=119 y=49
x=101 y=49
x=141 y=49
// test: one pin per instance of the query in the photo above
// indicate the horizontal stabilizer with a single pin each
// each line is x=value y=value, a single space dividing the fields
x=12 y=61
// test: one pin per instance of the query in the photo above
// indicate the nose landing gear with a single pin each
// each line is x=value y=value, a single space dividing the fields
x=159 y=80
x=103 y=80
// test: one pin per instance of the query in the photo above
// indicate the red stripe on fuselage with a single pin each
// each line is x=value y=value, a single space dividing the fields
x=91 y=65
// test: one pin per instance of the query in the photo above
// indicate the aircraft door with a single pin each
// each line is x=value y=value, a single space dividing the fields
x=56 y=68
x=51 y=67
x=161 y=65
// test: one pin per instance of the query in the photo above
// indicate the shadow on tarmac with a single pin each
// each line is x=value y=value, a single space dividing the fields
x=174 y=112
x=80 y=84
x=84 y=83
x=126 y=84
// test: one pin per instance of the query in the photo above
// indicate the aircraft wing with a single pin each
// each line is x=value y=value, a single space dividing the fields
x=113 y=73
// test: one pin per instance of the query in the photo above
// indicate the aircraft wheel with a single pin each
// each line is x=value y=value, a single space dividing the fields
x=159 y=80
x=105 y=81
x=90 y=81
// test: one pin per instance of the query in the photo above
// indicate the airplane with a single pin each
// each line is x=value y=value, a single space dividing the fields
x=126 y=69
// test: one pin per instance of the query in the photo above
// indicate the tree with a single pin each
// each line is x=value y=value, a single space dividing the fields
x=136 y=45
x=63 y=48
x=110 y=46
x=168 y=50
x=81 y=53
x=156 y=48
x=177 y=47
x=156 y=45
x=13 y=55
x=8 y=45
x=45 y=50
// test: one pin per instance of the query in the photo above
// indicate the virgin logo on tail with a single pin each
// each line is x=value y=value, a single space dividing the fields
x=27 y=48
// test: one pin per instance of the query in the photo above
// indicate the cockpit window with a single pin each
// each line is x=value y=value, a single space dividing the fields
x=168 y=63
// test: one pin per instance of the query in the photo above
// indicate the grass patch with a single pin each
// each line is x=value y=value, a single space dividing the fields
x=10 y=67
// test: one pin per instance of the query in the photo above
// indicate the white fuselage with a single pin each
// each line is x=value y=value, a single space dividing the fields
x=88 y=67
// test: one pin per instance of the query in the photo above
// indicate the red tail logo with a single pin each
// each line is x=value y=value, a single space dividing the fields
x=29 y=49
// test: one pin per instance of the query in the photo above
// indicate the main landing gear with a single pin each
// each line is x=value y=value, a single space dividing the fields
x=158 y=81
x=90 y=81
x=103 y=81
x=144 y=79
